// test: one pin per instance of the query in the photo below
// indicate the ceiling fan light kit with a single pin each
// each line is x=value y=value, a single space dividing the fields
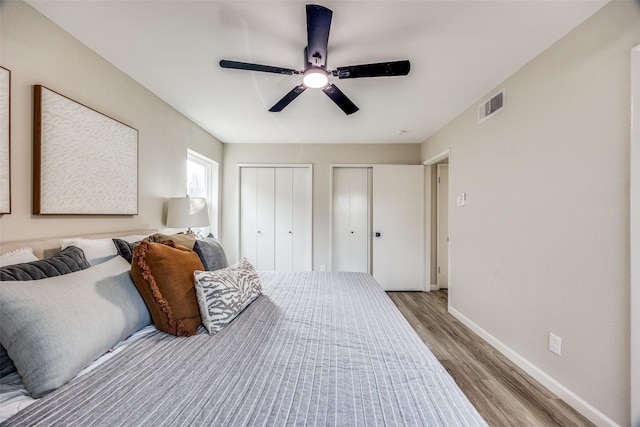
x=315 y=78
x=315 y=74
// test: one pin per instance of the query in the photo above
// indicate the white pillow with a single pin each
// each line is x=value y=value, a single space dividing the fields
x=97 y=251
x=17 y=256
x=223 y=294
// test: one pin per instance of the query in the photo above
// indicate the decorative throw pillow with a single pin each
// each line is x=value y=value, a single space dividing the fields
x=163 y=274
x=17 y=256
x=53 y=328
x=211 y=253
x=66 y=261
x=125 y=249
x=6 y=364
x=224 y=293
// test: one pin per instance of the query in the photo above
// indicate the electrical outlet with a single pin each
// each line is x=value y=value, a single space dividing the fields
x=323 y=267
x=555 y=344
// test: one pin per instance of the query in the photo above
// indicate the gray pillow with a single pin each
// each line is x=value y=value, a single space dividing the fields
x=211 y=253
x=125 y=249
x=6 y=364
x=55 y=329
x=66 y=261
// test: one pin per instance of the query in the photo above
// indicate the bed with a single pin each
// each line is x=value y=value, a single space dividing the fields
x=314 y=348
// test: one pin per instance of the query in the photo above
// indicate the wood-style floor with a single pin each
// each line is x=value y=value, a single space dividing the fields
x=503 y=393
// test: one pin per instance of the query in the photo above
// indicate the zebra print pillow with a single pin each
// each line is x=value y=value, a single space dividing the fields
x=223 y=294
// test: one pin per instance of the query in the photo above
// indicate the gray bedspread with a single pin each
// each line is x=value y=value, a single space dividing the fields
x=315 y=349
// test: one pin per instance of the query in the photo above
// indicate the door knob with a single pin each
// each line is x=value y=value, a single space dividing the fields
x=377 y=234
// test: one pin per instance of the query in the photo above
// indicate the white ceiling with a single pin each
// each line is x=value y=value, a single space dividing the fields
x=459 y=50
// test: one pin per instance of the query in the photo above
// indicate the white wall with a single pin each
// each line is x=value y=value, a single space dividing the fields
x=39 y=52
x=321 y=156
x=543 y=243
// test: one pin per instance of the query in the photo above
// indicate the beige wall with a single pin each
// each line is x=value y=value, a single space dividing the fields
x=321 y=156
x=39 y=52
x=543 y=243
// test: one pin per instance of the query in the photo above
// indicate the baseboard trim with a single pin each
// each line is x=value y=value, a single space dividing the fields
x=554 y=386
x=434 y=287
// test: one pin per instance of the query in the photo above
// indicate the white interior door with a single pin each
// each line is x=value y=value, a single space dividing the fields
x=398 y=217
x=442 y=257
x=257 y=216
x=248 y=214
x=283 y=219
x=350 y=220
x=302 y=219
x=265 y=219
x=276 y=217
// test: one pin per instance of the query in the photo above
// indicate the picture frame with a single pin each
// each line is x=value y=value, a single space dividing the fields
x=5 y=141
x=85 y=163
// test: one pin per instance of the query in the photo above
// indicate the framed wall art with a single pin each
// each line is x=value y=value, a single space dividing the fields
x=85 y=163
x=5 y=141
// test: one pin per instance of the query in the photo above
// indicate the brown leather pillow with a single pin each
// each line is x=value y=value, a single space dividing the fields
x=163 y=274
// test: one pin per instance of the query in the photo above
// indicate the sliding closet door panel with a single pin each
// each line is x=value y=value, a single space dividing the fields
x=248 y=214
x=302 y=219
x=398 y=215
x=350 y=224
x=284 y=219
x=265 y=219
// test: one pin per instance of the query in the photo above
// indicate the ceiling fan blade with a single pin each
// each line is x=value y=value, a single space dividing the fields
x=256 y=67
x=340 y=99
x=318 y=26
x=286 y=100
x=382 y=69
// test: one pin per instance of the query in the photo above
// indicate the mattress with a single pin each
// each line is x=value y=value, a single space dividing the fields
x=314 y=349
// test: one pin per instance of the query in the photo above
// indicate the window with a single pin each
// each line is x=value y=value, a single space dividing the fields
x=202 y=181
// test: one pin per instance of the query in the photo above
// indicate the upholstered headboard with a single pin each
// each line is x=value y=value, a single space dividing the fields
x=43 y=248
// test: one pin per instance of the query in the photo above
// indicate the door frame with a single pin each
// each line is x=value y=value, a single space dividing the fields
x=634 y=232
x=439 y=167
x=428 y=198
x=239 y=201
x=333 y=166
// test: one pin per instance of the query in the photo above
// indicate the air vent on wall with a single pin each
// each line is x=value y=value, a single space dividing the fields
x=491 y=107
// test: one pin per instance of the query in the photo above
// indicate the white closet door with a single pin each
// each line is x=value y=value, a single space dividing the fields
x=276 y=217
x=350 y=220
x=248 y=214
x=398 y=215
x=302 y=203
x=284 y=219
x=265 y=219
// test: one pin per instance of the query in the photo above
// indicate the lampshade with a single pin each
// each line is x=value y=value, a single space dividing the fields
x=187 y=212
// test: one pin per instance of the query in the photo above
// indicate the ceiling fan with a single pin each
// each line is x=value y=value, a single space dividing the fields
x=315 y=73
